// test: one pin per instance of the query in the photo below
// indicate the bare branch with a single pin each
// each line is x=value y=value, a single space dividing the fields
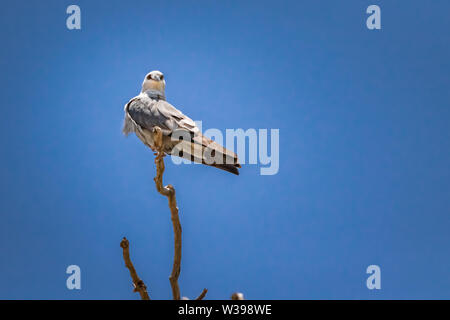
x=202 y=295
x=139 y=285
x=169 y=192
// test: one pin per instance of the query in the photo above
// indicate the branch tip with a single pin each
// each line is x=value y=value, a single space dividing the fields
x=138 y=284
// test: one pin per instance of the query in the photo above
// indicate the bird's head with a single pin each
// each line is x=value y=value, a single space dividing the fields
x=154 y=81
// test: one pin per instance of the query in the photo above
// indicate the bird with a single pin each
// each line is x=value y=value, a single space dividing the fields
x=180 y=135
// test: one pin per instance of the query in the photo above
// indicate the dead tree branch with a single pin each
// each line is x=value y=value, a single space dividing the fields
x=169 y=192
x=139 y=285
x=202 y=295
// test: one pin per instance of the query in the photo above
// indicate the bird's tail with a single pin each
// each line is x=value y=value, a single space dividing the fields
x=203 y=150
x=227 y=167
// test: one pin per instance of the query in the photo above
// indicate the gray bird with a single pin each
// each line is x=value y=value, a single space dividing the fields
x=181 y=136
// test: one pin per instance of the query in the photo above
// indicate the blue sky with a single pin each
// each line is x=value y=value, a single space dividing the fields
x=364 y=149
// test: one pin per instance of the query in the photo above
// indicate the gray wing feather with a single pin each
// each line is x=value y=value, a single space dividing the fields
x=149 y=113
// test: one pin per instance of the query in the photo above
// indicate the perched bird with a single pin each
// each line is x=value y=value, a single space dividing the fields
x=181 y=136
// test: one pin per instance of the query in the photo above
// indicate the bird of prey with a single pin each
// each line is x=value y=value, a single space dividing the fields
x=181 y=136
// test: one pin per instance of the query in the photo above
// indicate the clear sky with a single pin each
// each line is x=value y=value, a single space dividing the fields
x=364 y=173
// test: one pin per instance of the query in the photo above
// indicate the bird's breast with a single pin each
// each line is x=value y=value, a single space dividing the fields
x=154 y=85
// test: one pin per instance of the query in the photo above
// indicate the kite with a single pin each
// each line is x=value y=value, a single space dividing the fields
x=181 y=136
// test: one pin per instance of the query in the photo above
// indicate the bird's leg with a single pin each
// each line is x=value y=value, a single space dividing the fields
x=158 y=143
x=157 y=138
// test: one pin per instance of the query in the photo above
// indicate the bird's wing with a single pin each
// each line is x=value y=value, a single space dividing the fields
x=149 y=113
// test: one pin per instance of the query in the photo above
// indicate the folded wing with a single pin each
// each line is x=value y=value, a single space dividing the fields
x=181 y=136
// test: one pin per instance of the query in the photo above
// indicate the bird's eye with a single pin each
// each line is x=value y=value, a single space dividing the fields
x=149 y=77
x=162 y=77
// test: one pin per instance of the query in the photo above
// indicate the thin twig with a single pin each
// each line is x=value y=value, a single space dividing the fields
x=139 y=285
x=202 y=295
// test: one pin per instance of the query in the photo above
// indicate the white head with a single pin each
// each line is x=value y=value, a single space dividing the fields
x=154 y=81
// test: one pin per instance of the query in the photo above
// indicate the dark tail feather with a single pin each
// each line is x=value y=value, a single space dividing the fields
x=186 y=150
x=227 y=167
